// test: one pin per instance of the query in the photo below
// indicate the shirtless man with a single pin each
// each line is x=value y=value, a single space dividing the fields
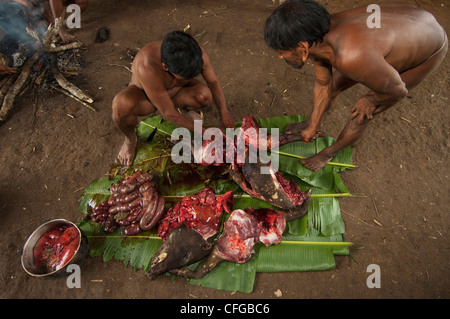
x=390 y=60
x=163 y=80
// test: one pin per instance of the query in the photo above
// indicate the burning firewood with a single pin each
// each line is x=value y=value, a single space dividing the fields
x=65 y=84
x=8 y=102
x=5 y=85
x=47 y=47
x=69 y=46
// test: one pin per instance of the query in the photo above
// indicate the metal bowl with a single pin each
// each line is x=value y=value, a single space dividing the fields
x=27 y=259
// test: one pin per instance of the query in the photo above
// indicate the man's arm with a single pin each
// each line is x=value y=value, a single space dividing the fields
x=321 y=98
x=385 y=83
x=216 y=90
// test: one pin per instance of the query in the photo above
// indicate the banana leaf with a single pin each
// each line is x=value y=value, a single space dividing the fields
x=136 y=251
x=302 y=253
x=309 y=243
x=96 y=193
x=230 y=276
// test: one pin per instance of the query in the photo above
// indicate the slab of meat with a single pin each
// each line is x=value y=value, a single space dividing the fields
x=241 y=232
x=271 y=224
x=246 y=170
x=200 y=212
x=188 y=230
x=272 y=188
x=223 y=149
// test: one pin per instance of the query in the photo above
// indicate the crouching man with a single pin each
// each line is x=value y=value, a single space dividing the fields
x=163 y=79
x=390 y=60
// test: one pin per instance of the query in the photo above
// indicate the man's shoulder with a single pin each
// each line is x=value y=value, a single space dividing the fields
x=148 y=55
x=151 y=47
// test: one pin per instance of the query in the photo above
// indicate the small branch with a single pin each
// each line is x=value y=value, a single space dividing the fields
x=287 y=242
x=303 y=157
x=65 y=84
x=318 y=243
x=34 y=34
x=121 y=65
x=64 y=47
x=7 y=82
x=8 y=102
x=52 y=31
x=74 y=97
x=375 y=206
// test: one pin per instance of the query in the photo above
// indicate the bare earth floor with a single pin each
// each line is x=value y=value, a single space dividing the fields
x=51 y=149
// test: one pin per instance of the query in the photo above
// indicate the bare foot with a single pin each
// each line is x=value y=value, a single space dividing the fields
x=316 y=162
x=126 y=154
x=296 y=127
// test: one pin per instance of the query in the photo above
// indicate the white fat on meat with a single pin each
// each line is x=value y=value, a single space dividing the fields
x=240 y=234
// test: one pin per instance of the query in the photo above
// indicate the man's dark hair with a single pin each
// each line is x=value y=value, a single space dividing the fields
x=295 y=21
x=181 y=54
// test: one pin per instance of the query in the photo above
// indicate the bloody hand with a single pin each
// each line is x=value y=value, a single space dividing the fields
x=310 y=135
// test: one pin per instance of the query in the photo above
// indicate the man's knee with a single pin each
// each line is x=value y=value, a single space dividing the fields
x=204 y=97
x=122 y=104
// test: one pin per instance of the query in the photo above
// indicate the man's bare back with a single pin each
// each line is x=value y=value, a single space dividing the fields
x=389 y=60
x=406 y=38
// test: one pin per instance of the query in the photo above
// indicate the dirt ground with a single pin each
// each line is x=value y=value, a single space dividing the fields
x=53 y=148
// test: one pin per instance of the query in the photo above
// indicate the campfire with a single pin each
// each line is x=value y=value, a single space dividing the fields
x=47 y=67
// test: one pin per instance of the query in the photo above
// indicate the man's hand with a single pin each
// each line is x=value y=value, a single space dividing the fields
x=227 y=120
x=7 y=70
x=310 y=134
x=363 y=109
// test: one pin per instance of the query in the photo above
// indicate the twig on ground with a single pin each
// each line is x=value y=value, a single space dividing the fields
x=375 y=206
x=74 y=97
x=121 y=65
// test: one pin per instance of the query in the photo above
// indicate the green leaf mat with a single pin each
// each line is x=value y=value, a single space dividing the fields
x=309 y=243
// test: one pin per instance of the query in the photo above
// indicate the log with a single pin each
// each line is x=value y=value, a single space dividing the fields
x=54 y=87
x=64 y=47
x=65 y=84
x=3 y=81
x=52 y=31
x=7 y=82
x=34 y=34
x=8 y=102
